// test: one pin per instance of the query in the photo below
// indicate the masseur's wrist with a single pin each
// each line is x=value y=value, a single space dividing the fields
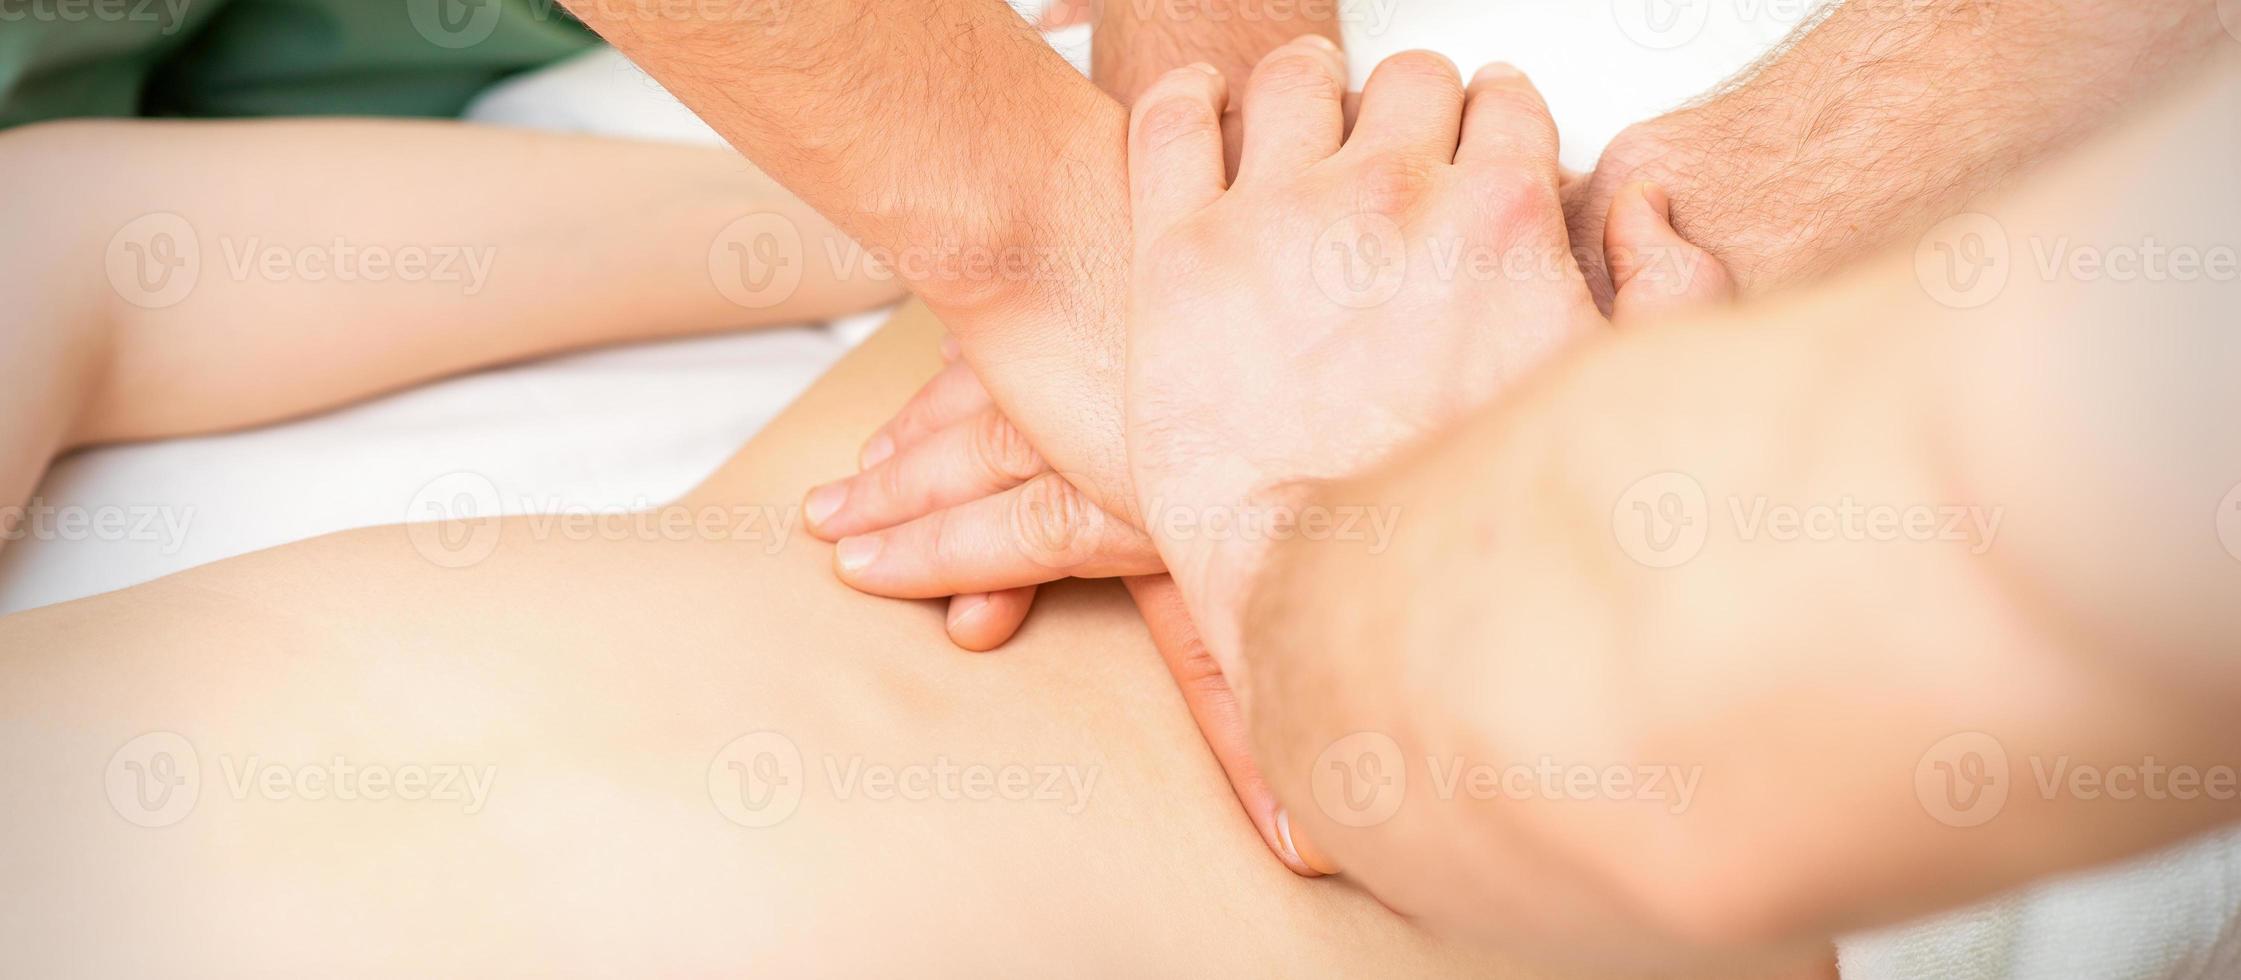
x=1218 y=540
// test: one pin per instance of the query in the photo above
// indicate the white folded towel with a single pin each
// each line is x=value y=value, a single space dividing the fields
x=2173 y=916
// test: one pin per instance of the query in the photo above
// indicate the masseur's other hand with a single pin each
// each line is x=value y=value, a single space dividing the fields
x=1347 y=294
x=951 y=499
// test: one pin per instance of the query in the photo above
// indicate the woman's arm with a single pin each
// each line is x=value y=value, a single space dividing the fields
x=1834 y=568
x=168 y=278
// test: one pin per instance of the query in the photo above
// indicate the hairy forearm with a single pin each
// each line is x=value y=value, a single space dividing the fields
x=1137 y=40
x=1644 y=561
x=949 y=139
x=943 y=134
x=1885 y=116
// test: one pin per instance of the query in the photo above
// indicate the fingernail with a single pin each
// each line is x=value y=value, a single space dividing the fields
x=857 y=552
x=1302 y=853
x=1319 y=41
x=877 y=449
x=949 y=348
x=1204 y=67
x=825 y=501
x=1498 y=71
x=964 y=607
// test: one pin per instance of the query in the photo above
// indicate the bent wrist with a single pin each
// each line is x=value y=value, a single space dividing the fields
x=1217 y=546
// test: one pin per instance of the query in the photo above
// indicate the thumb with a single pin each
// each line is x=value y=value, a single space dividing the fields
x=1214 y=707
x=1654 y=270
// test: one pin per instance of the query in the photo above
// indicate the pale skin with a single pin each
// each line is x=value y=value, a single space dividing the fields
x=94 y=366
x=2087 y=412
x=1008 y=217
x=589 y=688
x=1868 y=126
x=1864 y=129
x=2094 y=632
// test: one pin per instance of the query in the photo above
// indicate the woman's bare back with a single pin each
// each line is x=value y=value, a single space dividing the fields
x=543 y=748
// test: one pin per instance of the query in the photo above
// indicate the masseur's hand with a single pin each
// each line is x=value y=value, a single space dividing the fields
x=1335 y=303
x=951 y=500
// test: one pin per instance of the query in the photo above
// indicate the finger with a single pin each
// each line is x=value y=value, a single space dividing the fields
x=1175 y=148
x=966 y=460
x=954 y=393
x=1040 y=531
x=983 y=621
x=949 y=349
x=1506 y=124
x=1655 y=271
x=1294 y=112
x=1213 y=705
x=1412 y=105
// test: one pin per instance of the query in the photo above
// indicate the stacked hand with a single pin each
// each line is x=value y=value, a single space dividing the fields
x=1348 y=294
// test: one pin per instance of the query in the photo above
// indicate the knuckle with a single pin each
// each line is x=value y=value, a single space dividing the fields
x=909 y=422
x=891 y=483
x=1518 y=113
x=1511 y=197
x=1002 y=451
x=1051 y=520
x=950 y=540
x=1419 y=66
x=1392 y=183
x=1169 y=118
x=1294 y=75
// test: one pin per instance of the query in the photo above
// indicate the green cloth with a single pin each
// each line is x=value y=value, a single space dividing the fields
x=223 y=58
